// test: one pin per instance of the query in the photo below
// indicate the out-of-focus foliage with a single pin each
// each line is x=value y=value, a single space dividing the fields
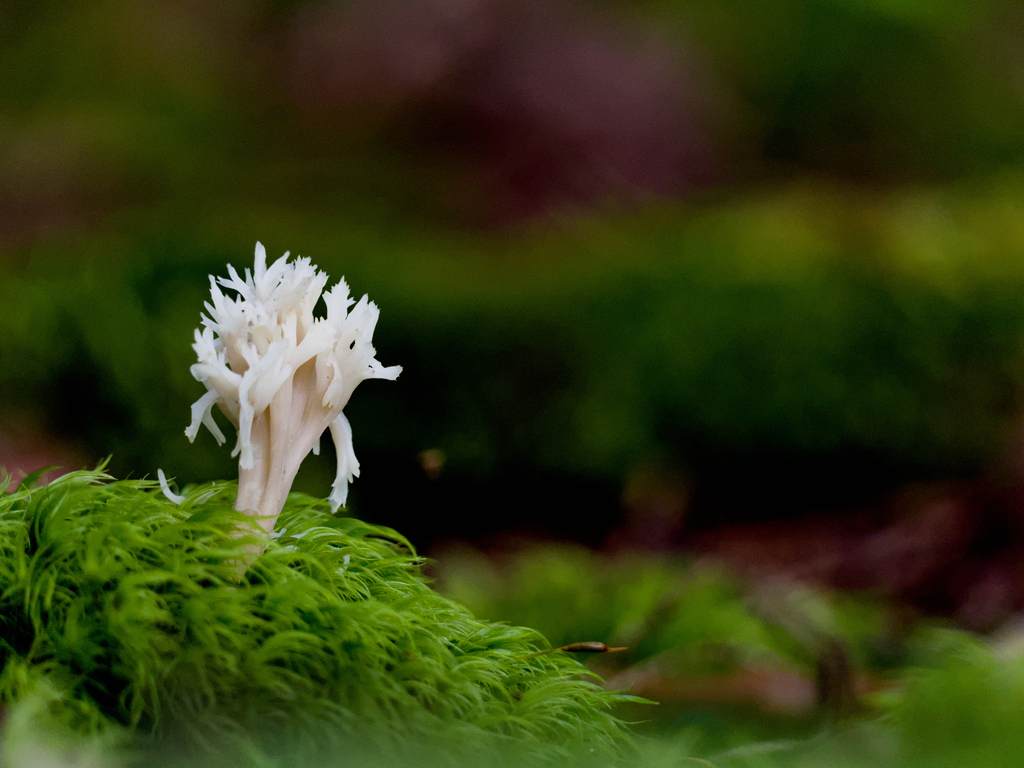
x=888 y=90
x=647 y=603
x=805 y=324
x=123 y=610
x=458 y=109
x=693 y=620
x=943 y=698
x=795 y=327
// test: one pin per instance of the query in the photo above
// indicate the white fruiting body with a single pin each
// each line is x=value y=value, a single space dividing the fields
x=282 y=376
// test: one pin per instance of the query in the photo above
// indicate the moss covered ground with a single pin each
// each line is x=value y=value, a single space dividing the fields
x=131 y=636
x=127 y=621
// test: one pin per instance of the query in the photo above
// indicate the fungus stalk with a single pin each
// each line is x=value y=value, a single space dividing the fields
x=282 y=376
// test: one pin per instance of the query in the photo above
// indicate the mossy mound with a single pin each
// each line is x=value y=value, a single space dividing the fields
x=131 y=611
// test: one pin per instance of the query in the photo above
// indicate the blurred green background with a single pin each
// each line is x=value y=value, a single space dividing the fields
x=772 y=250
x=717 y=277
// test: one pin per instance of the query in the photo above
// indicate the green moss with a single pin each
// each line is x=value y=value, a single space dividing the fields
x=131 y=613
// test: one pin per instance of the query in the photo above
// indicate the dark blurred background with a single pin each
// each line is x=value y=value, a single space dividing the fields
x=722 y=276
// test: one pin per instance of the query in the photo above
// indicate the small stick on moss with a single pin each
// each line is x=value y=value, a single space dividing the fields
x=588 y=646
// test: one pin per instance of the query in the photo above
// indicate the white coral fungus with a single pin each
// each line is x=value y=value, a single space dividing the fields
x=283 y=376
x=173 y=497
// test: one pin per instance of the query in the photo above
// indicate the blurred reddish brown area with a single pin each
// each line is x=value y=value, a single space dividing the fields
x=26 y=448
x=539 y=105
x=950 y=548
